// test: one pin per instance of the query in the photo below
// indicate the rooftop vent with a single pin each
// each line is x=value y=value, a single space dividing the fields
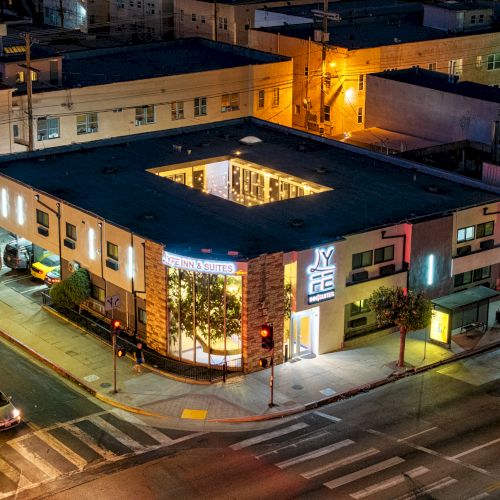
x=296 y=222
x=249 y=140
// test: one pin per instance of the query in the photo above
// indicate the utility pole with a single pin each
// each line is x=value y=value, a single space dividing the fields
x=29 y=90
x=324 y=33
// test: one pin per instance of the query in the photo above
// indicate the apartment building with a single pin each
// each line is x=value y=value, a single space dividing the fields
x=125 y=91
x=209 y=233
x=78 y=15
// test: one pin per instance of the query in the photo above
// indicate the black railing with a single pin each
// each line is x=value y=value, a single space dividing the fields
x=100 y=328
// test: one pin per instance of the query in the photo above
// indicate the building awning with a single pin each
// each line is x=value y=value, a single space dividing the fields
x=465 y=298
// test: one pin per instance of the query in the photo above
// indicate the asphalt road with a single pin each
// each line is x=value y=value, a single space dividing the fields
x=435 y=435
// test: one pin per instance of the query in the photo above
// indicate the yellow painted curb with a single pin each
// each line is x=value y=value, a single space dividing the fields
x=131 y=409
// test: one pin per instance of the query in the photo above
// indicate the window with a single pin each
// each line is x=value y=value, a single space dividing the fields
x=177 y=110
x=360 y=115
x=70 y=231
x=54 y=72
x=479 y=61
x=230 y=102
x=276 y=97
x=473 y=19
x=20 y=77
x=15 y=130
x=360 y=306
x=481 y=18
x=260 y=99
x=145 y=115
x=193 y=17
x=384 y=254
x=42 y=218
x=362 y=259
x=200 y=106
x=493 y=62
x=223 y=23
x=485 y=229
x=306 y=71
x=432 y=66
x=327 y=113
x=112 y=250
x=328 y=80
x=141 y=316
x=455 y=67
x=34 y=76
x=465 y=234
x=47 y=128
x=253 y=184
x=361 y=82
x=203 y=20
x=182 y=15
x=98 y=293
x=86 y=123
x=470 y=276
x=297 y=109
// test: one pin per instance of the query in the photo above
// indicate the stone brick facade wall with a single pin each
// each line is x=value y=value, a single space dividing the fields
x=263 y=302
x=156 y=293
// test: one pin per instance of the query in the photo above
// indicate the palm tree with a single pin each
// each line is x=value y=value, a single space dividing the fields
x=406 y=309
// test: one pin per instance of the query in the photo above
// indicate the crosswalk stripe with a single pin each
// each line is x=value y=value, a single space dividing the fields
x=37 y=461
x=389 y=483
x=116 y=433
x=62 y=449
x=268 y=435
x=90 y=442
x=151 y=431
x=295 y=443
x=314 y=454
x=349 y=478
x=327 y=416
x=340 y=463
x=14 y=475
x=437 y=485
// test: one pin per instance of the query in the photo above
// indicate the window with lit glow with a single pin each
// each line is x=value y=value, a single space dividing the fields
x=466 y=234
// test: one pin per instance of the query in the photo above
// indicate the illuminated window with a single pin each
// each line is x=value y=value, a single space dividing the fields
x=98 y=293
x=230 y=102
x=177 y=110
x=42 y=218
x=260 y=100
x=360 y=115
x=200 y=106
x=142 y=316
x=466 y=234
x=359 y=306
x=112 y=250
x=485 y=229
x=144 y=115
x=47 y=128
x=362 y=259
x=493 y=61
x=361 y=82
x=384 y=254
x=276 y=97
x=432 y=66
x=455 y=67
x=327 y=112
x=71 y=231
x=34 y=76
x=86 y=123
x=20 y=77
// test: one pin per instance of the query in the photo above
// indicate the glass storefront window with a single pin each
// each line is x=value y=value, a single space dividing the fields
x=204 y=316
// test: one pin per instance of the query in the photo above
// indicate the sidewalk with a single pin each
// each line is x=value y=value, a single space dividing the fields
x=88 y=361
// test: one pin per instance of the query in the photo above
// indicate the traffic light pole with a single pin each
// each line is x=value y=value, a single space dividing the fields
x=114 y=362
x=271 y=379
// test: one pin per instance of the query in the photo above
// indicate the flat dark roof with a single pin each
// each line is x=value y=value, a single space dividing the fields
x=111 y=181
x=137 y=62
x=440 y=81
x=463 y=5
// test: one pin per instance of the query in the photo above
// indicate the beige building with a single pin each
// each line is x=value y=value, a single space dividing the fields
x=126 y=91
x=329 y=93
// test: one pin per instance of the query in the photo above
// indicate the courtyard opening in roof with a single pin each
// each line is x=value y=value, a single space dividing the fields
x=239 y=181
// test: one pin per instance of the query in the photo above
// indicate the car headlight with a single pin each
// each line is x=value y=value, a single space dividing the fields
x=16 y=413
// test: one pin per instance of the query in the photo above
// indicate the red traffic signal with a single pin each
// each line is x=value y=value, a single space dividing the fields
x=266 y=335
x=115 y=325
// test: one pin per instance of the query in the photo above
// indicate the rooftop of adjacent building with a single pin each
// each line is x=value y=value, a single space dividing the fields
x=464 y=5
x=442 y=82
x=367 y=192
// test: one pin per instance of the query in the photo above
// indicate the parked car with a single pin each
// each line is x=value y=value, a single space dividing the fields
x=47 y=263
x=18 y=254
x=10 y=416
x=53 y=276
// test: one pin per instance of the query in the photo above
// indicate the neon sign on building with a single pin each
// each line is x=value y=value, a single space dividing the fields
x=321 y=276
x=203 y=265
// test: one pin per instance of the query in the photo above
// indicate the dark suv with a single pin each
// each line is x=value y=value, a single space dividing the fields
x=18 y=254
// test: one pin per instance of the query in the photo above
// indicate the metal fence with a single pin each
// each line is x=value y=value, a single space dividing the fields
x=101 y=329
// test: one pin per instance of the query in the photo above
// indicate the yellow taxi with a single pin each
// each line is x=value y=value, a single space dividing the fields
x=47 y=263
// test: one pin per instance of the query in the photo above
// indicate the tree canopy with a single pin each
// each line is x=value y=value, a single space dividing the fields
x=73 y=290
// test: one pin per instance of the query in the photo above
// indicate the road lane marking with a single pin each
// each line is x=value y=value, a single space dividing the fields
x=90 y=442
x=373 y=469
x=480 y=496
x=62 y=449
x=340 y=463
x=329 y=417
x=472 y=450
x=441 y=483
x=295 y=443
x=36 y=460
x=268 y=435
x=417 y=434
x=389 y=483
x=14 y=475
x=116 y=434
x=314 y=454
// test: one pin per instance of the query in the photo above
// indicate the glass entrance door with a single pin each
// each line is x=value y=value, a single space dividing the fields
x=301 y=333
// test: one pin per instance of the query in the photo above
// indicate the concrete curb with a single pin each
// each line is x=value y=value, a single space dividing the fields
x=61 y=371
x=356 y=390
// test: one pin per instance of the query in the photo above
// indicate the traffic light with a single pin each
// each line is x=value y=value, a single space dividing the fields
x=115 y=326
x=121 y=352
x=266 y=335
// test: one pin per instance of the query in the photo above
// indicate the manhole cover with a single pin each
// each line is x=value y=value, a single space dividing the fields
x=297 y=387
x=104 y=385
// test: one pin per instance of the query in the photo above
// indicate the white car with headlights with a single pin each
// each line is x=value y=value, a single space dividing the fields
x=10 y=416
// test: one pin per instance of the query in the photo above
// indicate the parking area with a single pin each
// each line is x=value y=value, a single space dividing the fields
x=21 y=280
